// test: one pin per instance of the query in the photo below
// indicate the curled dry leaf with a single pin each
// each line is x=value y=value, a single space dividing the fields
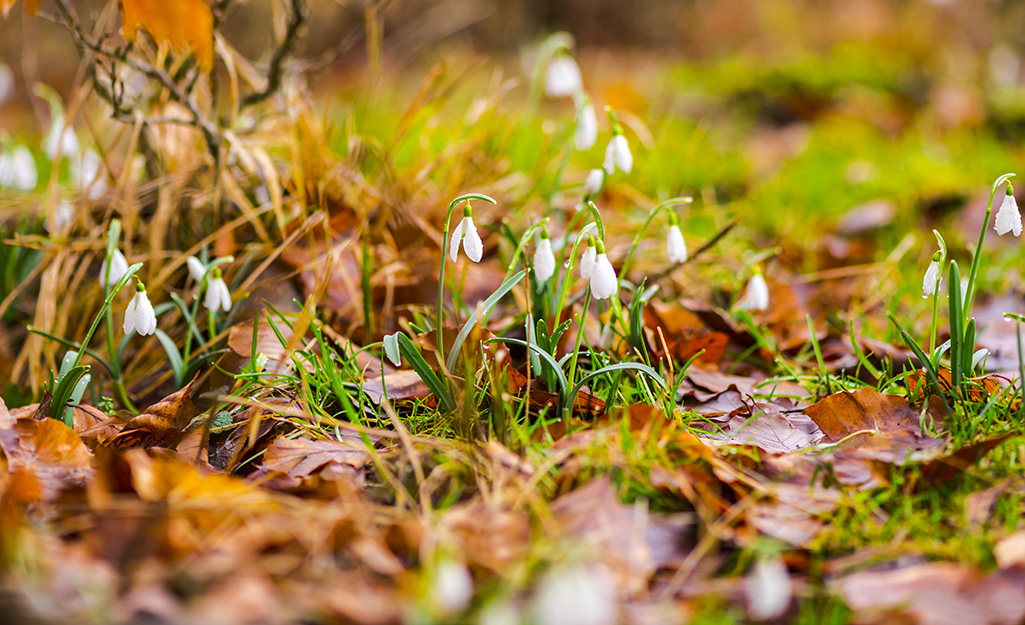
x=160 y=425
x=48 y=453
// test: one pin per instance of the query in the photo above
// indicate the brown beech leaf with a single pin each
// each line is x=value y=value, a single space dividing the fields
x=301 y=457
x=685 y=334
x=184 y=24
x=846 y=413
x=938 y=593
x=162 y=424
x=31 y=6
x=47 y=450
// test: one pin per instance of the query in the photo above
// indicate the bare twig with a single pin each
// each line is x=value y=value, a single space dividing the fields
x=276 y=69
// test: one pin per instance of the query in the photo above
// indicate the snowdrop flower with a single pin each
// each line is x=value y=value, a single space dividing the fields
x=544 y=259
x=139 y=315
x=118 y=269
x=932 y=277
x=587 y=259
x=581 y=595
x=757 y=295
x=587 y=127
x=617 y=155
x=676 y=248
x=452 y=588
x=563 y=77
x=604 y=283
x=1008 y=217
x=217 y=295
x=86 y=173
x=18 y=169
x=196 y=269
x=768 y=589
x=592 y=185
x=467 y=233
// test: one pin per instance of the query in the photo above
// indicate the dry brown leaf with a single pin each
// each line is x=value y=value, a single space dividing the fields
x=162 y=424
x=938 y=593
x=48 y=451
x=184 y=24
x=685 y=334
x=845 y=413
x=302 y=457
x=31 y=6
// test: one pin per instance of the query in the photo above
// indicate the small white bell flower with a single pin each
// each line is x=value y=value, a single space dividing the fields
x=544 y=259
x=563 y=77
x=604 y=283
x=196 y=269
x=87 y=174
x=757 y=295
x=592 y=185
x=580 y=595
x=587 y=259
x=768 y=589
x=586 y=133
x=18 y=169
x=139 y=315
x=676 y=247
x=452 y=588
x=617 y=155
x=930 y=282
x=1008 y=218
x=217 y=295
x=118 y=269
x=467 y=233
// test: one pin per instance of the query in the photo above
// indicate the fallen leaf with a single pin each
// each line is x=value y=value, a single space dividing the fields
x=162 y=424
x=184 y=24
x=845 y=413
x=301 y=457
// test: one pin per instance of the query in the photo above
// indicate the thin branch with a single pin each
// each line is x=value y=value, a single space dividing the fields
x=297 y=17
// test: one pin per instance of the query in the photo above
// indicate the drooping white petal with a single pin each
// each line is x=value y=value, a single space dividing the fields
x=604 y=283
x=617 y=155
x=587 y=261
x=118 y=269
x=676 y=248
x=454 y=240
x=196 y=268
x=563 y=77
x=1008 y=218
x=593 y=183
x=587 y=128
x=452 y=588
x=929 y=282
x=217 y=295
x=139 y=315
x=581 y=595
x=18 y=169
x=768 y=589
x=61 y=139
x=544 y=261
x=757 y=295
x=472 y=243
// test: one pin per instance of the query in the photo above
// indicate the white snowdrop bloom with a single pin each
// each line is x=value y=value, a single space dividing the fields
x=586 y=133
x=62 y=214
x=757 y=295
x=587 y=259
x=592 y=185
x=768 y=589
x=217 y=295
x=60 y=140
x=676 y=248
x=563 y=77
x=451 y=588
x=118 y=269
x=139 y=315
x=6 y=82
x=604 y=283
x=196 y=268
x=544 y=259
x=466 y=232
x=929 y=283
x=18 y=169
x=86 y=173
x=581 y=595
x=1008 y=217
x=617 y=155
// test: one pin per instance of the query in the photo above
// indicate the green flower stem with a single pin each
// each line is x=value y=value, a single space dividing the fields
x=187 y=353
x=580 y=337
x=640 y=233
x=564 y=289
x=970 y=292
x=440 y=341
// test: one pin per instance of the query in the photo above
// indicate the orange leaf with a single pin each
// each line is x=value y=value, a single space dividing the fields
x=31 y=6
x=184 y=24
